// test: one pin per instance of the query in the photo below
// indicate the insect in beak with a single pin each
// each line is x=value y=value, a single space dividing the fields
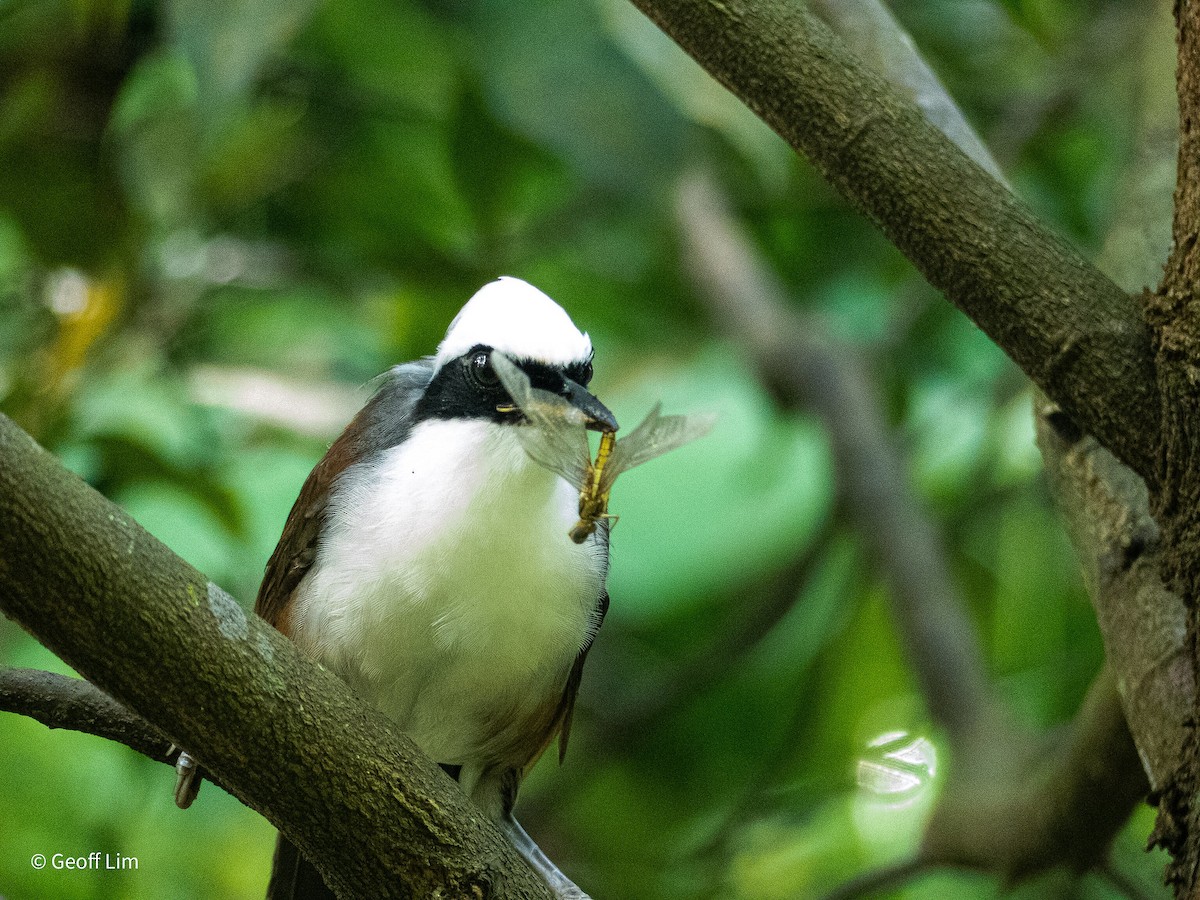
x=558 y=441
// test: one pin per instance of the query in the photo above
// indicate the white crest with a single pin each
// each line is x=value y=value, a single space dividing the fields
x=517 y=319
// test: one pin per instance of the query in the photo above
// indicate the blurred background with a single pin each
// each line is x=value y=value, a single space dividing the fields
x=219 y=219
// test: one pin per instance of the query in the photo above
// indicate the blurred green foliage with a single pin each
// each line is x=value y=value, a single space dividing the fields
x=220 y=218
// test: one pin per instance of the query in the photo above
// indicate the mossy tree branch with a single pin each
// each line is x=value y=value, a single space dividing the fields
x=1073 y=331
x=285 y=736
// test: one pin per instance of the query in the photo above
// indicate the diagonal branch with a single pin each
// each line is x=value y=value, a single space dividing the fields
x=1095 y=769
x=1074 y=332
x=1104 y=504
x=744 y=295
x=285 y=736
x=871 y=31
x=1016 y=804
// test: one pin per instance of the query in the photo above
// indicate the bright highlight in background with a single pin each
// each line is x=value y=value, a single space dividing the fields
x=897 y=767
x=896 y=774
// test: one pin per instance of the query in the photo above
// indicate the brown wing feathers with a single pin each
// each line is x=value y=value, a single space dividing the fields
x=382 y=422
x=297 y=548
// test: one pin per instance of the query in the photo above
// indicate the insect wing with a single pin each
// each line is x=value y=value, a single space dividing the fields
x=655 y=435
x=560 y=447
x=557 y=436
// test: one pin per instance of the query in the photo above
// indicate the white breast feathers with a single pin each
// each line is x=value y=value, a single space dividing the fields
x=446 y=589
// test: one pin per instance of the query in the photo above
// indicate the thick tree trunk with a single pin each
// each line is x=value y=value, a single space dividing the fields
x=1173 y=312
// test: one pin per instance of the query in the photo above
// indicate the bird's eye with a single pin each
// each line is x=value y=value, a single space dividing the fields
x=585 y=374
x=482 y=371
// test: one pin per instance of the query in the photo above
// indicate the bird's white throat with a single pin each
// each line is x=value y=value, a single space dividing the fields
x=446 y=589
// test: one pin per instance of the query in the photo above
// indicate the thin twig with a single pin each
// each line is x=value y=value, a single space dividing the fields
x=72 y=703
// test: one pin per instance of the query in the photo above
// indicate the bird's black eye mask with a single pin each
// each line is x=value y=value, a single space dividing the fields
x=550 y=378
x=467 y=387
x=478 y=362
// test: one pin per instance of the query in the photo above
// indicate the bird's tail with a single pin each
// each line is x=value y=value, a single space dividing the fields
x=293 y=877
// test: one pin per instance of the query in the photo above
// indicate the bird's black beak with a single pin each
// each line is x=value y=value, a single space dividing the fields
x=599 y=418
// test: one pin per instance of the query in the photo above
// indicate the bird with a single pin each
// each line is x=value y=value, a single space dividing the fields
x=427 y=561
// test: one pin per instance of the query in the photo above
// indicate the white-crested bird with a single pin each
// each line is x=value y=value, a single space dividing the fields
x=427 y=561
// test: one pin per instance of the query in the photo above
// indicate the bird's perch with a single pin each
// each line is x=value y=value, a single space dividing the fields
x=285 y=736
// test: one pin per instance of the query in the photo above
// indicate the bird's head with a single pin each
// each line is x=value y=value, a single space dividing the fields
x=515 y=318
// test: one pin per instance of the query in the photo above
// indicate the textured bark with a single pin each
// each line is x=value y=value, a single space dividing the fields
x=284 y=735
x=873 y=34
x=1173 y=312
x=60 y=702
x=1074 y=332
x=1106 y=510
x=1106 y=506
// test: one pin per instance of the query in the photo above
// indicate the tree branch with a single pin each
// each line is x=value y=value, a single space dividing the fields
x=1106 y=510
x=1186 y=256
x=1173 y=313
x=1074 y=332
x=285 y=736
x=1015 y=804
x=744 y=295
x=870 y=30
x=994 y=815
x=1105 y=503
x=61 y=702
